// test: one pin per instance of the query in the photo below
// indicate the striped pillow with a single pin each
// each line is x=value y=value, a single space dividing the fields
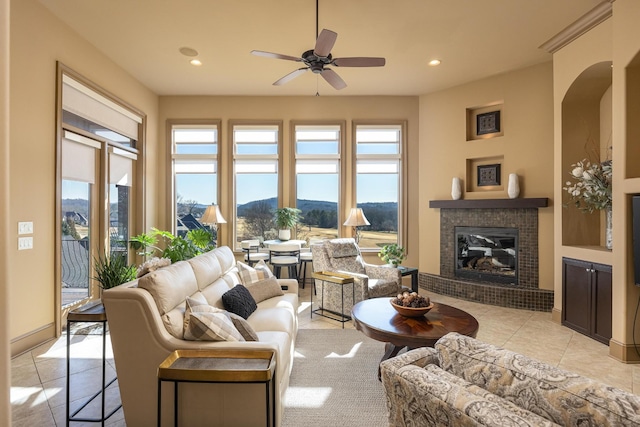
x=203 y=322
x=249 y=275
x=194 y=305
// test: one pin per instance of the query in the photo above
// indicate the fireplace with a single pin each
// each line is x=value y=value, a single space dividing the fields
x=486 y=254
x=512 y=256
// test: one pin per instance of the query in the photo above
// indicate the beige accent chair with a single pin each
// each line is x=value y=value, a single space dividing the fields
x=344 y=256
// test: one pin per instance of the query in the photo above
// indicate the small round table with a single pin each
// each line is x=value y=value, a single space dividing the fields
x=377 y=319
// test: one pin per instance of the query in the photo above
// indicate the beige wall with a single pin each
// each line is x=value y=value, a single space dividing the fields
x=38 y=40
x=290 y=109
x=5 y=364
x=527 y=146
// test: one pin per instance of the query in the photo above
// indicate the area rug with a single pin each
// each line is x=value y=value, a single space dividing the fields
x=335 y=380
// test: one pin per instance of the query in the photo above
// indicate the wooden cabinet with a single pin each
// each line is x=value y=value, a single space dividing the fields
x=586 y=298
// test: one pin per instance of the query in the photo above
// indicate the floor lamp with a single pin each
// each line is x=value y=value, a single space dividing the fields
x=213 y=217
x=356 y=219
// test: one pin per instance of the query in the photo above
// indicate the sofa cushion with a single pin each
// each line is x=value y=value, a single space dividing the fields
x=265 y=289
x=529 y=416
x=563 y=397
x=196 y=305
x=170 y=285
x=206 y=268
x=249 y=275
x=238 y=300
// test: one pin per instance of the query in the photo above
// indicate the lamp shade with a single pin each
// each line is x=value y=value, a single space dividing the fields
x=213 y=215
x=356 y=218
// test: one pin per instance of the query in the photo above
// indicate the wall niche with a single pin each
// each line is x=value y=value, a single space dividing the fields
x=586 y=134
x=485 y=122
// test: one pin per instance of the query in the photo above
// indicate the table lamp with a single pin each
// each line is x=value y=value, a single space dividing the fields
x=212 y=215
x=356 y=219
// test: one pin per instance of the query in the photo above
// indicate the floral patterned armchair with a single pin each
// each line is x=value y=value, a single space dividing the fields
x=371 y=281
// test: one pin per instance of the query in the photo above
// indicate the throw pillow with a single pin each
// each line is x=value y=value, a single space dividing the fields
x=265 y=289
x=211 y=327
x=238 y=300
x=245 y=329
x=250 y=274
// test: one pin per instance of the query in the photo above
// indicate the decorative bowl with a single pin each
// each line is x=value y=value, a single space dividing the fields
x=411 y=311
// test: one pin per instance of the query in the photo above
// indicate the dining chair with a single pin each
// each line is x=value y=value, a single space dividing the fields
x=252 y=254
x=285 y=255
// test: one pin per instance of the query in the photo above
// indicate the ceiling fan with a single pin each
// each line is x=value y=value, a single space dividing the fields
x=319 y=58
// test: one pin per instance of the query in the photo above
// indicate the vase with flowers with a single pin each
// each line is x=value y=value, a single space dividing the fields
x=590 y=190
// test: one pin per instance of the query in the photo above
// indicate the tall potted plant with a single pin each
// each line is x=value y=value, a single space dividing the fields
x=286 y=219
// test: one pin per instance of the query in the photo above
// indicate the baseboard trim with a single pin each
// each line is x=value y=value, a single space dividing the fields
x=32 y=339
x=556 y=315
x=625 y=353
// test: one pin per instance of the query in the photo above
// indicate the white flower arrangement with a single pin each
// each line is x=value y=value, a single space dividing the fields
x=152 y=265
x=591 y=189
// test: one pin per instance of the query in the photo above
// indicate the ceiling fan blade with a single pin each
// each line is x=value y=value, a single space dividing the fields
x=275 y=55
x=292 y=75
x=359 y=62
x=333 y=79
x=324 y=43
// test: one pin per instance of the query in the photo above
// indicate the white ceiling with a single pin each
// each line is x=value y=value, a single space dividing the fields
x=473 y=38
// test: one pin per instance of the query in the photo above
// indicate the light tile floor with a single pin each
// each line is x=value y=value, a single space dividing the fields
x=39 y=376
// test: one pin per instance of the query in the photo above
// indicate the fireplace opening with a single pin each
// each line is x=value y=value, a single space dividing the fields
x=487 y=254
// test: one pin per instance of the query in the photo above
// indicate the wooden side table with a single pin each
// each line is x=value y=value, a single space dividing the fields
x=90 y=313
x=340 y=279
x=220 y=366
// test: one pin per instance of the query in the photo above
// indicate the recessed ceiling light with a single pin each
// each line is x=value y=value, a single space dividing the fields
x=434 y=62
x=196 y=62
x=187 y=51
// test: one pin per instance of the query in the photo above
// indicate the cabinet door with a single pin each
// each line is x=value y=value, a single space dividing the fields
x=576 y=295
x=601 y=316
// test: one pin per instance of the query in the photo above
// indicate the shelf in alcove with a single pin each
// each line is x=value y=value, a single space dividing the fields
x=540 y=202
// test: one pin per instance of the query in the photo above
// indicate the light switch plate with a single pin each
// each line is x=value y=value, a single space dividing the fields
x=25 y=243
x=25 y=227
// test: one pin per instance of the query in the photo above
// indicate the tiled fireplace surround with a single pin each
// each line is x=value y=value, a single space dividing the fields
x=525 y=294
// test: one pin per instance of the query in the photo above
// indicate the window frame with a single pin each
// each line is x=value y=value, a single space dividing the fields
x=342 y=163
x=402 y=167
x=232 y=220
x=99 y=206
x=172 y=155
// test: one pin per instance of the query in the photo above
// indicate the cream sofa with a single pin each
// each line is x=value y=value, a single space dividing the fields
x=465 y=382
x=146 y=324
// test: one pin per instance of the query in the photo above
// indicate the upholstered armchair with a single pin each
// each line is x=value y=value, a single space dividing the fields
x=371 y=281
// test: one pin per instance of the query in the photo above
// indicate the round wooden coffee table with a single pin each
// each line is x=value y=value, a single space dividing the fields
x=377 y=319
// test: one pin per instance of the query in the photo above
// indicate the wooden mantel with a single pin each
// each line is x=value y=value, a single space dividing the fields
x=541 y=202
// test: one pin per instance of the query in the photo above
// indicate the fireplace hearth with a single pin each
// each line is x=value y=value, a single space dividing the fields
x=487 y=254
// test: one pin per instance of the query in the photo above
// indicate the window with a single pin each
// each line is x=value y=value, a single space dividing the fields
x=96 y=189
x=255 y=168
x=378 y=183
x=195 y=173
x=317 y=154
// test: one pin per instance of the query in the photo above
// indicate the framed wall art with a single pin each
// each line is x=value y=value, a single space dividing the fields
x=488 y=175
x=487 y=123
